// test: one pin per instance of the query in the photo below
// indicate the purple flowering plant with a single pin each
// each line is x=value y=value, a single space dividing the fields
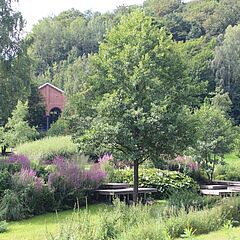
x=185 y=164
x=20 y=160
x=74 y=177
x=27 y=177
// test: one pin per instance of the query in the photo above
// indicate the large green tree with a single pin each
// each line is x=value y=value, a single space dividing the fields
x=226 y=65
x=215 y=133
x=17 y=129
x=134 y=103
x=14 y=62
x=198 y=54
x=11 y=25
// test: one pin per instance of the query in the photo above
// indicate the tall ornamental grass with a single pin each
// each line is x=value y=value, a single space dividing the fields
x=147 y=222
x=47 y=149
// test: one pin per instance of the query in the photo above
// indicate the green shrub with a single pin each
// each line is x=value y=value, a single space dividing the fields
x=37 y=202
x=230 y=172
x=188 y=199
x=48 y=148
x=204 y=221
x=10 y=206
x=149 y=230
x=59 y=128
x=5 y=181
x=3 y=226
x=165 y=181
x=200 y=221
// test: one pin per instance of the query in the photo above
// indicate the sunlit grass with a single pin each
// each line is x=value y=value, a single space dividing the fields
x=37 y=227
x=223 y=234
x=47 y=148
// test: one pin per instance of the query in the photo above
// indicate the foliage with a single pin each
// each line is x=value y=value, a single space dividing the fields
x=48 y=148
x=131 y=110
x=198 y=54
x=191 y=200
x=17 y=130
x=226 y=67
x=26 y=177
x=14 y=63
x=36 y=107
x=5 y=181
x=215 y=137
x=37 y=198
x=21 y=160
x=71 y=183
x=139 y=222
x=11 y=27
x=110 y=225
x=11 y=207
x=167 y=182
x=58 y=41
x=3 y=226
x=15 y=84
x=127 y=105
x=59 y=128
x=229 y=171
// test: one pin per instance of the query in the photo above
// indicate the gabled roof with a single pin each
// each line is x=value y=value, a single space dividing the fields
x=49 y=84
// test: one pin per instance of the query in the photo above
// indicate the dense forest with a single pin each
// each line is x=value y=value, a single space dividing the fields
x=59 y=49
x=75 y=51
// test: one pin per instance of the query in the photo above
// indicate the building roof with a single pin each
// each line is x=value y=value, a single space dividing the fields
x=51 y=85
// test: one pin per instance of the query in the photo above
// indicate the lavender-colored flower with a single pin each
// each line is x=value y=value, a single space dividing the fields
x=28 y=176
x=22 y=160
x=193 y=166
x=69 y=171
x=59 y=161
x=74 y=177
x=105 y=158
x=96 y=176
x=186 y=162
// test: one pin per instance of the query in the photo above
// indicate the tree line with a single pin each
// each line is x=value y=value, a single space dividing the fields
x=143 y=82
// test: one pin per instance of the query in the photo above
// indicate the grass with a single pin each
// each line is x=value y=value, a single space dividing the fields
x=37 y=227
x=47 y=148
x=231 y=157
x=223 y=234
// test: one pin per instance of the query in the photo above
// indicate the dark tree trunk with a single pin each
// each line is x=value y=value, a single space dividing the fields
x=4 y=149
x=135 y=186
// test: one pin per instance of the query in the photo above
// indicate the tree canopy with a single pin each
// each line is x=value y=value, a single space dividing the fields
x=134 y=103
x=14 y=62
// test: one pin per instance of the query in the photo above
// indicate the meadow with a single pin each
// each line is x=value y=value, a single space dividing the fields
x=39 y=227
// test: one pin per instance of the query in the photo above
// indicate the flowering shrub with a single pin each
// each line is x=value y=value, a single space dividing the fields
x=27 y=177
x=105 y=158
x=184 y=164
x=20 y=160
x=69 y=182
x=68 y=171
x=95 y=176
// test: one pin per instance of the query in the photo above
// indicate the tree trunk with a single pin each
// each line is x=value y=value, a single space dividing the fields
x=135 y=186
x=4 y=149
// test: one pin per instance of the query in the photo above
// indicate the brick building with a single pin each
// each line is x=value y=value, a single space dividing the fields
x=54 y=100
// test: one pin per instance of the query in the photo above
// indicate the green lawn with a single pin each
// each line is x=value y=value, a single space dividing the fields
x=223 y=234
x=231 y=157
x=35 y=228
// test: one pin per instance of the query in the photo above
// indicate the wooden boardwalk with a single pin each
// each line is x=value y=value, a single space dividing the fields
x=121 y=190
x=221 y=188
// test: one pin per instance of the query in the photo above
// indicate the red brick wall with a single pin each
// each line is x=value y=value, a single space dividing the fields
x=53 y=98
